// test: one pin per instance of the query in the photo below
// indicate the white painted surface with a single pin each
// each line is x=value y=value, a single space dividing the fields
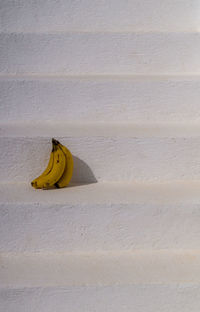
x=94 y=15
x=101 y=53
x=96 y=98
x=140 y=298
x=76 y=249
x=100 y=216
x=99 y=269
x=142 y=153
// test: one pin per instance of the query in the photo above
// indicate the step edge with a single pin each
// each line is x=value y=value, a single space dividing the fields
x=104 y=31
x=108 y=76
x=60 y=129
x=166 y=193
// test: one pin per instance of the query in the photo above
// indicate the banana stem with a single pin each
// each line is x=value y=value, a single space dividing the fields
x=55 y=142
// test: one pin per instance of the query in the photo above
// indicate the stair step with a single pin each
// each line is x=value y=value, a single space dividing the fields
x=100 y=216
x=97 y=15
x=143 y=281
x=95 y=98
x=103 y=152
x=101 y=53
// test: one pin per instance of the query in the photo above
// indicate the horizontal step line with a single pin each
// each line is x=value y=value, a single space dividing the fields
x=35 y=128
x=109 y=76
x=36 y=290
x=101 y=269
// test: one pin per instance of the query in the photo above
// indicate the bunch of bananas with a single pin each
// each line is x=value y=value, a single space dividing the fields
x=59 y=170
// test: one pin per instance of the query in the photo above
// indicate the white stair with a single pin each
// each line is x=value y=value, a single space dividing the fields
x=132 y=98
x=103 y=152
x=147 y=281
x=100 y=216
x=117 y=82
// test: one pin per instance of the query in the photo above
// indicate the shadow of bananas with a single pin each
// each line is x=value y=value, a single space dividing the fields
x=82 y=173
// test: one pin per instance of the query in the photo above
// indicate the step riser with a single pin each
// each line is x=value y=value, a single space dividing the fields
x=105 y=158
x=75 y=53
x=94 y=227
x=99 y=15
x=145 y=298
x=100 y=99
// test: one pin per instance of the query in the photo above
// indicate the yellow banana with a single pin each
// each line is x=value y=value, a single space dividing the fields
x=59 y=162
x=48 y=168
x=67 y=175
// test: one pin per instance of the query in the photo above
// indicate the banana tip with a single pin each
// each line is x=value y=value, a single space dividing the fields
x=55 y=142
x=33 y=184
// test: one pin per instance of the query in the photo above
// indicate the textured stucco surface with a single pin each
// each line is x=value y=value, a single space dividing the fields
x=117 y=82
x=96 y=98
x=95 y=15
x=103 y=158
x=100 y=216
x=141 y=298
x=142 y=280
x=101 y=53
x=100 y=269
x=79 y=227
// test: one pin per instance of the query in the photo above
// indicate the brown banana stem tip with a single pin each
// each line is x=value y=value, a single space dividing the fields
x=55 y=142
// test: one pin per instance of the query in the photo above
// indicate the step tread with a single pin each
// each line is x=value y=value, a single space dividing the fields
x=104 y=193
x=100 y=31
x=100 y=269
x=33 y=129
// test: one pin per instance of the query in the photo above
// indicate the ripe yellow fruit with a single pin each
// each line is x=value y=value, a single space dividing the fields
x=67 y=175
x=59 y=170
